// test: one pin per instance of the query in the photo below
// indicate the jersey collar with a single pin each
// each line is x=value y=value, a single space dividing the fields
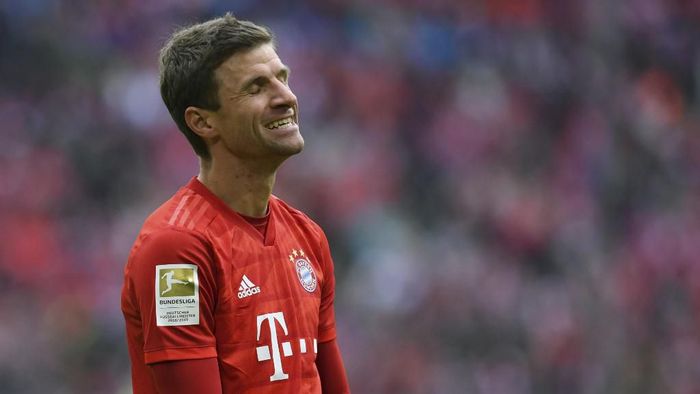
x=198 y=187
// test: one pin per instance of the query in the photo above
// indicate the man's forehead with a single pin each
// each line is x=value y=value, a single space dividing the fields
x=260 y=59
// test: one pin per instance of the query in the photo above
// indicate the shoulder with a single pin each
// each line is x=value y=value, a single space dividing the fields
x=178 y=229
x=183 y=221
x=170 y=244
x=296 y=215
x=186 y=210
x=172 y=238
x=301 y=223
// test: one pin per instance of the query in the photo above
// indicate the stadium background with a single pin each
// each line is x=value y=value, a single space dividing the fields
x=510 y=187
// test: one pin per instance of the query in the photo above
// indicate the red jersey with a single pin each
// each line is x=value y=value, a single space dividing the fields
x=202 y=282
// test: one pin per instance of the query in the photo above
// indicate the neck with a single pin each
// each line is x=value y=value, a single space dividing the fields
x=244 y=187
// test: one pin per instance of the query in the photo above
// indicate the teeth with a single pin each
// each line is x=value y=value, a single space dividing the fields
x=279 y=123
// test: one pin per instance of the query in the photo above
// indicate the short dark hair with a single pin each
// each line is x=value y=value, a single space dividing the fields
x=188 y=61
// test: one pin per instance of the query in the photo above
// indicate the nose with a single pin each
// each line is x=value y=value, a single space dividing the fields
x=283 y=96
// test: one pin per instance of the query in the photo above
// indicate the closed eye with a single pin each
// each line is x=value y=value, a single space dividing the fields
x=254 y=88
x=255 y=85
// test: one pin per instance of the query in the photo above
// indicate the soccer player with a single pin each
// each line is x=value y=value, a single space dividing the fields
x=227 y=288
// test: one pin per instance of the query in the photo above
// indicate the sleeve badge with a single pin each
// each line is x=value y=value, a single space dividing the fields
x=177 y=295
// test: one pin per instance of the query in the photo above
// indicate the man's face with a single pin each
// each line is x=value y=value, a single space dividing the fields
x=258 y=116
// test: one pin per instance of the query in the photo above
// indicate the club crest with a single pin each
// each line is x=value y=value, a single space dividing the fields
x=305 y=272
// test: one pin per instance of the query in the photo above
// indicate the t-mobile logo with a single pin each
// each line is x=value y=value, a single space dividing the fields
x=264 y=351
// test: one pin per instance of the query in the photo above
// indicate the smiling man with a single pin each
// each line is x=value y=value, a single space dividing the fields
x=227 y=288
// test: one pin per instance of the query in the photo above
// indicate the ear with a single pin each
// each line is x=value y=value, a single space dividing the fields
x=200 y=121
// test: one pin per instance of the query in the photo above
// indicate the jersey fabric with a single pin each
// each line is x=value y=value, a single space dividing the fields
x=202 y=282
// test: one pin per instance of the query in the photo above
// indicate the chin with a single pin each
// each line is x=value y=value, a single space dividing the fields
x=293 y=150
x=296 y=146
x=287 y=146
x=287 y=150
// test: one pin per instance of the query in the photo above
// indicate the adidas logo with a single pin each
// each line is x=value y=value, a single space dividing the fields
x=247 y=288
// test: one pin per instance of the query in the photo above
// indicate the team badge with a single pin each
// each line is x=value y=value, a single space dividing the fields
x=305 y=272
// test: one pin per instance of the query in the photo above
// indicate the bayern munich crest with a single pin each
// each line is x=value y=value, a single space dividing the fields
x=305 y=272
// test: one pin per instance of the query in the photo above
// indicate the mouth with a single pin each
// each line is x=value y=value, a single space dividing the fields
x=283 y=123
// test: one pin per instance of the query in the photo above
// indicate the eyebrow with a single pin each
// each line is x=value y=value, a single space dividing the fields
x=260 y=79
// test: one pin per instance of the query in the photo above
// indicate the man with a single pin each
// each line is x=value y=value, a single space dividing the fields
x=227 y=288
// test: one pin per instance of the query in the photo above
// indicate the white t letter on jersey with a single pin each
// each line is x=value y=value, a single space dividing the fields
x=264 y=351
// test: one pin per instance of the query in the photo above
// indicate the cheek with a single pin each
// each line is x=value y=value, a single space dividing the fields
x=244 y=120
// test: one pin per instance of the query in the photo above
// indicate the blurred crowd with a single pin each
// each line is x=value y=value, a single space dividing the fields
x=510 y=187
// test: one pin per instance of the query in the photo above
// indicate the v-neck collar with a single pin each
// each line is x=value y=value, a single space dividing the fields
x=268 y=240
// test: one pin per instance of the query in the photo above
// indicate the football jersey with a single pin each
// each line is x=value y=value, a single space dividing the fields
x=202 y=282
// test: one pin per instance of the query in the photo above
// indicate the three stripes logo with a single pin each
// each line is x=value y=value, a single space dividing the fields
x=247 y=288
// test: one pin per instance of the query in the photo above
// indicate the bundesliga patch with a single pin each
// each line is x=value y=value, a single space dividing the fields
x=177 y=295
x=305 y=272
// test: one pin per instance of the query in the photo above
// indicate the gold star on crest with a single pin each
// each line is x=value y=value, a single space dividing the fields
x=296 y=254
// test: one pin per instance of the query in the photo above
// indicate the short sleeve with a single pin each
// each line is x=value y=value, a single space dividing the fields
x=170 y=282
x=326 y=325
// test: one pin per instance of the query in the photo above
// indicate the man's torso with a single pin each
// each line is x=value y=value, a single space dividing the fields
x=262 y=306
